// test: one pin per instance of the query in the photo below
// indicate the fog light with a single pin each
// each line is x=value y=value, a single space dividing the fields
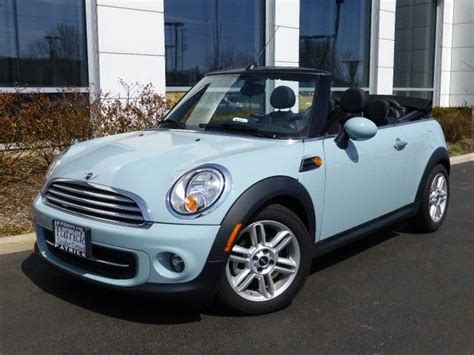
x=177 y=263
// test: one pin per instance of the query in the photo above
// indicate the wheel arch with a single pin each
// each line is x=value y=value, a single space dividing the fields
x=282 y=190
x=439 y=156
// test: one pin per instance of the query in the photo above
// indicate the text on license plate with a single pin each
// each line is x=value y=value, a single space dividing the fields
x=71 y=238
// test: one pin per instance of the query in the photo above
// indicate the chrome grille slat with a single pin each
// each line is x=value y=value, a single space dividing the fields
x=53 y=191
x=97 y=202
x=93 y=194
x=93 y=210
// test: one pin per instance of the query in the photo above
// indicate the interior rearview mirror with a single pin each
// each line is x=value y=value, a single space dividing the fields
x=357 y=129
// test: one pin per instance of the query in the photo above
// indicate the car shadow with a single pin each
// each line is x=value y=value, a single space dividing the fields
x=142 y=309
x=115 y=304
x=353 y=248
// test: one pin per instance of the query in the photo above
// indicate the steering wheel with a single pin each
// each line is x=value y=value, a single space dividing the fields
x=293 y=123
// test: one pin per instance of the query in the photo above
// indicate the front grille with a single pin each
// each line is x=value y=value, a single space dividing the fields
x=104 y=261
x=95 y=201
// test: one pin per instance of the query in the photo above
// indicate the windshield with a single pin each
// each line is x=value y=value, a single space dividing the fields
x=265 y=105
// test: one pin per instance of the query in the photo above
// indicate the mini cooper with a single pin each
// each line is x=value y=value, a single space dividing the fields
x=250 y=176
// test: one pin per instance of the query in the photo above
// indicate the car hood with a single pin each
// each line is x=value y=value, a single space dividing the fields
x=148 y=162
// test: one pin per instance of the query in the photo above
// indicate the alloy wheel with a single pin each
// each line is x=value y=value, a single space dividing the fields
x=264 y=261
x=438 y=198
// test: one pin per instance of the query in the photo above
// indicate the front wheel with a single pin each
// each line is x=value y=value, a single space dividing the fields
x=434 y=201
x=268 y=264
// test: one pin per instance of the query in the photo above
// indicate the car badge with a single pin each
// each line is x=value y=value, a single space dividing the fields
x=90 y=176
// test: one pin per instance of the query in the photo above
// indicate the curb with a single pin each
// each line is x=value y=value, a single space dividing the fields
x=17 y=243
x=23 y=242
x=462 y=158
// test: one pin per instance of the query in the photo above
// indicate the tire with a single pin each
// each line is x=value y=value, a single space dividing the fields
x=259 y=260
x=425 y=221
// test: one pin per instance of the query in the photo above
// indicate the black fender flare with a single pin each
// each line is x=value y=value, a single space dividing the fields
x=439 y=156
x=254 y=199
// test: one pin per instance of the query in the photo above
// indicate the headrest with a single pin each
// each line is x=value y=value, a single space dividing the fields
x=354 y=100
x=377 y=111
x=282 y=97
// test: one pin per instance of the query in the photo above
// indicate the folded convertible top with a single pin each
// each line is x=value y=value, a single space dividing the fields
x=414 y=103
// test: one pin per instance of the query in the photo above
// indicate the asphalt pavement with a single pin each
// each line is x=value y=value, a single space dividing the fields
x=394 y=291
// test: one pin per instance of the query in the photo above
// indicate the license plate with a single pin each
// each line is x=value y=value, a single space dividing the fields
x=72 y=239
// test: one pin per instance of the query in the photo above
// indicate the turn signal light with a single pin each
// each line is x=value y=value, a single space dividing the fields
x=191 y=203
x=317 y=161
x=233 y=236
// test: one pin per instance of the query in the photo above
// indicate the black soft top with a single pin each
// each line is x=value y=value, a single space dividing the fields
x=423 y=105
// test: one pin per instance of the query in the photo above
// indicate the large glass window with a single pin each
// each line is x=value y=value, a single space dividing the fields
x=43 y=43
x=206 y=35
x=335 y=36
x=415 y=33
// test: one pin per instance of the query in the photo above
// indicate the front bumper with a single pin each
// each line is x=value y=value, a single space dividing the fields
x=149 y=247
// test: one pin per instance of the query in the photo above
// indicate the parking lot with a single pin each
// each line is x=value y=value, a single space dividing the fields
x=390 y=292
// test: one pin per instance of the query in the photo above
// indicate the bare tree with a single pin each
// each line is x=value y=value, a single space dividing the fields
x=63 y=48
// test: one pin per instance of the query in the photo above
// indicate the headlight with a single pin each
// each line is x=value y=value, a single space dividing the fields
x=56 y=161
x=199 y=191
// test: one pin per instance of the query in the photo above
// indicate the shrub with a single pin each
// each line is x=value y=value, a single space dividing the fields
x=457 y=122
x=11 y=132
x=141 y=108
x=43 y=124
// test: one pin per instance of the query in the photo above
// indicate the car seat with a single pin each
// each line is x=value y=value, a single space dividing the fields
x=351 y=104
x=282 y=97
x=377 y=111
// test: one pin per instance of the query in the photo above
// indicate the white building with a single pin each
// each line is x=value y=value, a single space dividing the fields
x=407 y=47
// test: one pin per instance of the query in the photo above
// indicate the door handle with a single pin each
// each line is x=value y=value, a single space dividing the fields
x=399 y=144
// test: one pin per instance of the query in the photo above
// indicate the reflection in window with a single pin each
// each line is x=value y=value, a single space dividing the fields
x=43 y=43
x=420 y=94
x=206 y=35
x=335 y=36
x=415 y=28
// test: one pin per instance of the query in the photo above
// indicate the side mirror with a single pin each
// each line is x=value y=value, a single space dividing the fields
x=357 y=129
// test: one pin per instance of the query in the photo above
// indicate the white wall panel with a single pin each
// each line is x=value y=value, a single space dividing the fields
x=287 y=45
x=386 y=53
x=287 y=13
x=463 y=11
x=146 y=5
x=463 y=34
x=462 y=59
x=131 y=44
x=131 y=69
x=130 y=31
x=387 y=25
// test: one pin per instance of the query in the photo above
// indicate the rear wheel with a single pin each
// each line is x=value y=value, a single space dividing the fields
x=434 y=201
x=268 y=264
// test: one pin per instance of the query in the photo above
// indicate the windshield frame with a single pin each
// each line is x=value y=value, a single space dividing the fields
x=319 y=104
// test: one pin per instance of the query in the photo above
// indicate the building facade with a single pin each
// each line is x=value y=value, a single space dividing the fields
x=422 y=48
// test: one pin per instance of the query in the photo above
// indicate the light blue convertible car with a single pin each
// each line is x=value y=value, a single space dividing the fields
x=251 y=175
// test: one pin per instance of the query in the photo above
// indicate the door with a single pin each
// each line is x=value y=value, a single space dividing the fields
x=364 y=181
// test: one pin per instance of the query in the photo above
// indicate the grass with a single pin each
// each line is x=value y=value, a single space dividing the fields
x=464 y=146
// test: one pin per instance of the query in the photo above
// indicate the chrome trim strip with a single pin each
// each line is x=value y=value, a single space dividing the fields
x=95 y=259
x=93 y=210
x=92 y=194
x=52 y=190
